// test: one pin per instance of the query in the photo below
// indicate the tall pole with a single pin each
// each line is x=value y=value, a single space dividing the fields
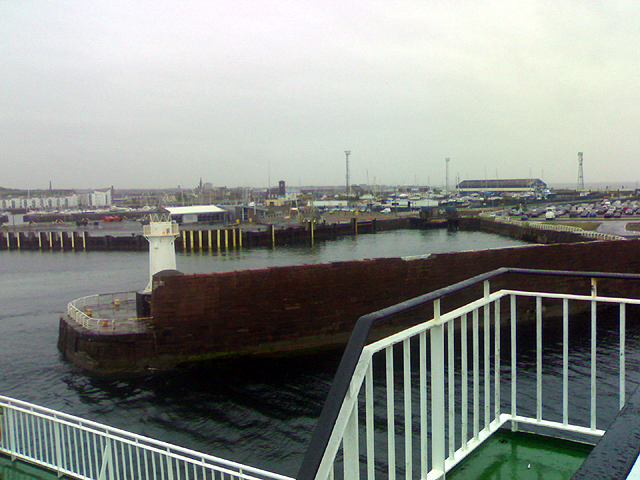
x=580 y=174
x=446 y=178
x=347 y=153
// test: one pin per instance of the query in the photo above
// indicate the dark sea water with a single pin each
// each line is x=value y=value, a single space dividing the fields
x=257 y=412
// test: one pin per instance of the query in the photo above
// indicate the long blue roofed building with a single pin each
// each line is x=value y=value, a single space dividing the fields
x=516 y=187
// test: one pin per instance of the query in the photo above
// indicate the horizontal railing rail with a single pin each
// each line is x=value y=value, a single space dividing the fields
x=454 y=429
x=69 y=445
x=89 y=312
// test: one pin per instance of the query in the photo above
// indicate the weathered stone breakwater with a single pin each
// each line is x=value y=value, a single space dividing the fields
x=286 y=310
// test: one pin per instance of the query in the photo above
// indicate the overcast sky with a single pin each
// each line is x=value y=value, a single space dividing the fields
x=248 y=92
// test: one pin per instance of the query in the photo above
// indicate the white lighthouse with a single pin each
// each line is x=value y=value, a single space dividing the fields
x=161 y=234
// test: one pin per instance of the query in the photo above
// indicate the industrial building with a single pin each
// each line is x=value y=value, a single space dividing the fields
x=197 y=214
x=526 y=186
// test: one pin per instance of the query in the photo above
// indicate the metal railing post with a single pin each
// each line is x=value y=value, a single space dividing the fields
x=350 y=446
x=623 y=321
x=594 y=321
x=437 y=391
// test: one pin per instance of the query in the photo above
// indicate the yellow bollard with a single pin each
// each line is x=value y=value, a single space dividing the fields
x=311 y=231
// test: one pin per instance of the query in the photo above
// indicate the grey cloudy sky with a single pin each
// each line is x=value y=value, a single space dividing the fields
x=247 y=92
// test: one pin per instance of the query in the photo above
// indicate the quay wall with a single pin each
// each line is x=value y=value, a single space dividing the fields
x=202 y=239
x=291 y=309
x=527 y=233
x=237 y=237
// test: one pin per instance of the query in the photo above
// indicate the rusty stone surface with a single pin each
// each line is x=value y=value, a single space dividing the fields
x=287 y=310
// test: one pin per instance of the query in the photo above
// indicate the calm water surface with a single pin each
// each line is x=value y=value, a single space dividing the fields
x=256 y=412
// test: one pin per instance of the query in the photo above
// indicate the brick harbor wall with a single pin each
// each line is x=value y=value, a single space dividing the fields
x=282 y=309
x=288 y=308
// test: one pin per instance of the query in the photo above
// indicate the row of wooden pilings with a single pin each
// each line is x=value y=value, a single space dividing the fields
x=195 y=240
x=51 y=240
x=309 y=233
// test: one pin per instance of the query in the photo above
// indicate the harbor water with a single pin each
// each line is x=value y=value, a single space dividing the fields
x=260 y=413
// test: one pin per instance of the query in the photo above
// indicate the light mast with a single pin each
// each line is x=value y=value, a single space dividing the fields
x=347 y=153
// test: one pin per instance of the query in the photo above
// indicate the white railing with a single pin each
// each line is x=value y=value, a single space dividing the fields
x=79 y=448
x=89 y=312
x=452 y=389
x=558 y=227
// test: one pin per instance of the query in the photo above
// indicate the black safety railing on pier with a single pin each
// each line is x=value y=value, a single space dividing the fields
x=360 y=338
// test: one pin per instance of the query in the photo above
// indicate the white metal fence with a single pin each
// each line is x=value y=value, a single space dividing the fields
x=423 y=399
x=79 y=448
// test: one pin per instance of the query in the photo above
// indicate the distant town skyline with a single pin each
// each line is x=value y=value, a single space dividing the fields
x=158 y=94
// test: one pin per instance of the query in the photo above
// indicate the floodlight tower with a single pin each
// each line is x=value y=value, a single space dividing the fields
x=446 y=176
x=580 y=173
x=347 y=153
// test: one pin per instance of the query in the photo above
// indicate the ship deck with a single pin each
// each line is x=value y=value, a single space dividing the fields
x=505 y=455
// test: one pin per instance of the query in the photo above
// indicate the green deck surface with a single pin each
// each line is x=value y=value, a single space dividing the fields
x=505 y=456
x=21 y=471
x=517 y=455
